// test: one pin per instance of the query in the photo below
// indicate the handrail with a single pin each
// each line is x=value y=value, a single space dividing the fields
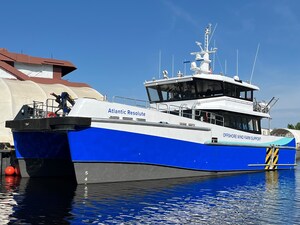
x=136 y=102
x=174 y=109
x=182 y=106
x=158 y=107
x=204 y=116
x=44 y=109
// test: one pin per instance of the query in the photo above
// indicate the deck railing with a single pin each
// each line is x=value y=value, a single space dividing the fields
x=182 y=110
x=131 y=101
x=45 y=109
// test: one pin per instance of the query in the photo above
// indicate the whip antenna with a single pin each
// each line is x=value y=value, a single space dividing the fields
x=254 y=62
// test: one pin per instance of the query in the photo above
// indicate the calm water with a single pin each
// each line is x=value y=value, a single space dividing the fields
x=258 y=198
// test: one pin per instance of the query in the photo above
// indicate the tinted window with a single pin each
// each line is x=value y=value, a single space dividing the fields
x=237 y=91
x=153 y=94
x=240 y=121
x=197 y=89
x=209 y=88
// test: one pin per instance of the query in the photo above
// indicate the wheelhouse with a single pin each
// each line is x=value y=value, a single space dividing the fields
x=193 y=88
x=197 y=88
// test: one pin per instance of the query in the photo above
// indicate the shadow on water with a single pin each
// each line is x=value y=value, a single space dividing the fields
x=39 y=201
x=256 y=198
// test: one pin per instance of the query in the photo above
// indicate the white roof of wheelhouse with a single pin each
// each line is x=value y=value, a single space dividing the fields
x=216 y=77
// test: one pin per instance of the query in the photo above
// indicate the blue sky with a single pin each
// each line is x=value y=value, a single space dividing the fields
x=115 y=44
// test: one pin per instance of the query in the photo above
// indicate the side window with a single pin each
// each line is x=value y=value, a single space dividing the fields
x=226 y=120
x=250 y=124
x=242 y=122
x=153 y=94
x=232 y=122
x=230 y=90
x=249 y=95
x=239 y=123
x=245 y=124
x=243 y=94
x=255 y=125
x=238 y=91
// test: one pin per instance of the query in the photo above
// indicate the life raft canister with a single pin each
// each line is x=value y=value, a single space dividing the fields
x=51 y=114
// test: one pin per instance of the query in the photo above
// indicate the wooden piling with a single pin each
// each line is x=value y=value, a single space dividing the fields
x=4 y=160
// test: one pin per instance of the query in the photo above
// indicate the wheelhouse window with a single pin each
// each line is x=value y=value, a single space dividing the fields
x=172 y=92
x=188 y=90
x=153 y=94
x=236 y=91
x=209 y=88
x=197 y=89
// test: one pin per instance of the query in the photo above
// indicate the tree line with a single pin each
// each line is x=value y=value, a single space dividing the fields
x=295 y=127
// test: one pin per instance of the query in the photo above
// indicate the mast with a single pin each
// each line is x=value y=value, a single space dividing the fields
x=206 y=36
x=203 y=55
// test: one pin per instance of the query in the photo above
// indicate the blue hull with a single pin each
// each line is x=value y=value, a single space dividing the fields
x=97 y=145
x=49 y=145
x=43 y=154
x=95 y=155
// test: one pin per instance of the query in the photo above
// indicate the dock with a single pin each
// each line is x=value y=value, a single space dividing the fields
x=6 y=156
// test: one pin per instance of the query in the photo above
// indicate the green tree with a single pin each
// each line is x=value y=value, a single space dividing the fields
x=296 y=127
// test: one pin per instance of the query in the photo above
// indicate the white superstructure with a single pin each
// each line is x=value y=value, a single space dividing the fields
x=205 y=94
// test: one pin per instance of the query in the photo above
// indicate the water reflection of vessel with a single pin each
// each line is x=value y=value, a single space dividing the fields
x=7 y=200
x=238 y=199
x=196 y=125
x=43 y=201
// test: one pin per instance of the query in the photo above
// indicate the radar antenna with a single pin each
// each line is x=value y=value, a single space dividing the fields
x=203 y=54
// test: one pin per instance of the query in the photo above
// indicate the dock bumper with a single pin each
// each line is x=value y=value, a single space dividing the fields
x=49 y=124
